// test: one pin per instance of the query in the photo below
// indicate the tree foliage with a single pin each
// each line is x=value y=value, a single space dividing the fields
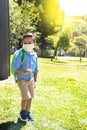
x=64 y=41
x=51 y=20
x=44 y=18
x=22 y=19
x=15 y=22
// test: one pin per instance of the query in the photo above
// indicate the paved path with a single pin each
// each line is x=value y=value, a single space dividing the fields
x=8 y=81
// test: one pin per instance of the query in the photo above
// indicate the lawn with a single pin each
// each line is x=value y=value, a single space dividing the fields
x=61 y=98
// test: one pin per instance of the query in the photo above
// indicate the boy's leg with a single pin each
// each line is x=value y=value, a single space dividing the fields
x=28 y=107
x=31 y=91
x=27 y=92
x=30 y=117
x=23 y=85
x=23 y=112
x=24 y=104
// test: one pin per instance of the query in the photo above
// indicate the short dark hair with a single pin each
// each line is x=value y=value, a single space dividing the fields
x=30 y=35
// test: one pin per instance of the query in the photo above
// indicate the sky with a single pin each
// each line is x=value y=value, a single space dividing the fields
x=74 y=7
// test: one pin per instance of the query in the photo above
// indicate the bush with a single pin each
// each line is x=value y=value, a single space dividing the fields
x=73 y=51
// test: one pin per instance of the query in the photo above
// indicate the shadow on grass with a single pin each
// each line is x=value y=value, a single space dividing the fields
x=57 y=61
x=12 y=125
x=54 y=62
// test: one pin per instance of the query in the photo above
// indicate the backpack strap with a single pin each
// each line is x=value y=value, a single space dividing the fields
x=23 y=55
x=35 y=55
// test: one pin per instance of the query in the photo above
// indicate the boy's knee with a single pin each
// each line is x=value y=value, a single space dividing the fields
x=25 y=99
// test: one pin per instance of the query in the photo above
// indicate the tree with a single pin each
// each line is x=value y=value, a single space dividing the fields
x=23 y=18
x=51 y=21
x=20 y=2
x=62 y=39
x=42 y=17
x=62 y=42
x=15 y=22
x=80 y=42
x=73 y=50
x=81 y=30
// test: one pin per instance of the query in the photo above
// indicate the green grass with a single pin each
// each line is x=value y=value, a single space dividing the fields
x=61 y=97
x=66 y=60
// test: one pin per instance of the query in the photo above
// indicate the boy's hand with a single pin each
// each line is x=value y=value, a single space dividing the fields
x=28 y=71
x=35 y=84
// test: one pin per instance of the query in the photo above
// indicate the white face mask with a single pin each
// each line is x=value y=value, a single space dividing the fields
x=28 y=47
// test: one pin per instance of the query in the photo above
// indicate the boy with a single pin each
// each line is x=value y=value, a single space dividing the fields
x=27 y=75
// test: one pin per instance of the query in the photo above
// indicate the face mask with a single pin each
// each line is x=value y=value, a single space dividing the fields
x=28 y=47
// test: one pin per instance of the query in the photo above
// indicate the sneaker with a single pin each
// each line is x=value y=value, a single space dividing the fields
x=30 y=117
x=23 y=115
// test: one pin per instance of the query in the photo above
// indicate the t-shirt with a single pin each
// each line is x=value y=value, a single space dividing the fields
x=31 y=62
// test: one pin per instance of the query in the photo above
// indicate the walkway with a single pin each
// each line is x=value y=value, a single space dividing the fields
x=8 y=81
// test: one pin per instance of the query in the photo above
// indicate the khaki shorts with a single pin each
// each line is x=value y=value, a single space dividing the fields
x=26 y=88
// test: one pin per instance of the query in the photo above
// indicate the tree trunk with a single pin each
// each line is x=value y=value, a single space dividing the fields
x=60 y=51
x=80 y=53
x=85 y=51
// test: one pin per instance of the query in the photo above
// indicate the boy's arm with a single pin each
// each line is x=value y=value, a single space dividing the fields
x=35 y=77
x=17 y=64
x=36 y=71
x=28 y=71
